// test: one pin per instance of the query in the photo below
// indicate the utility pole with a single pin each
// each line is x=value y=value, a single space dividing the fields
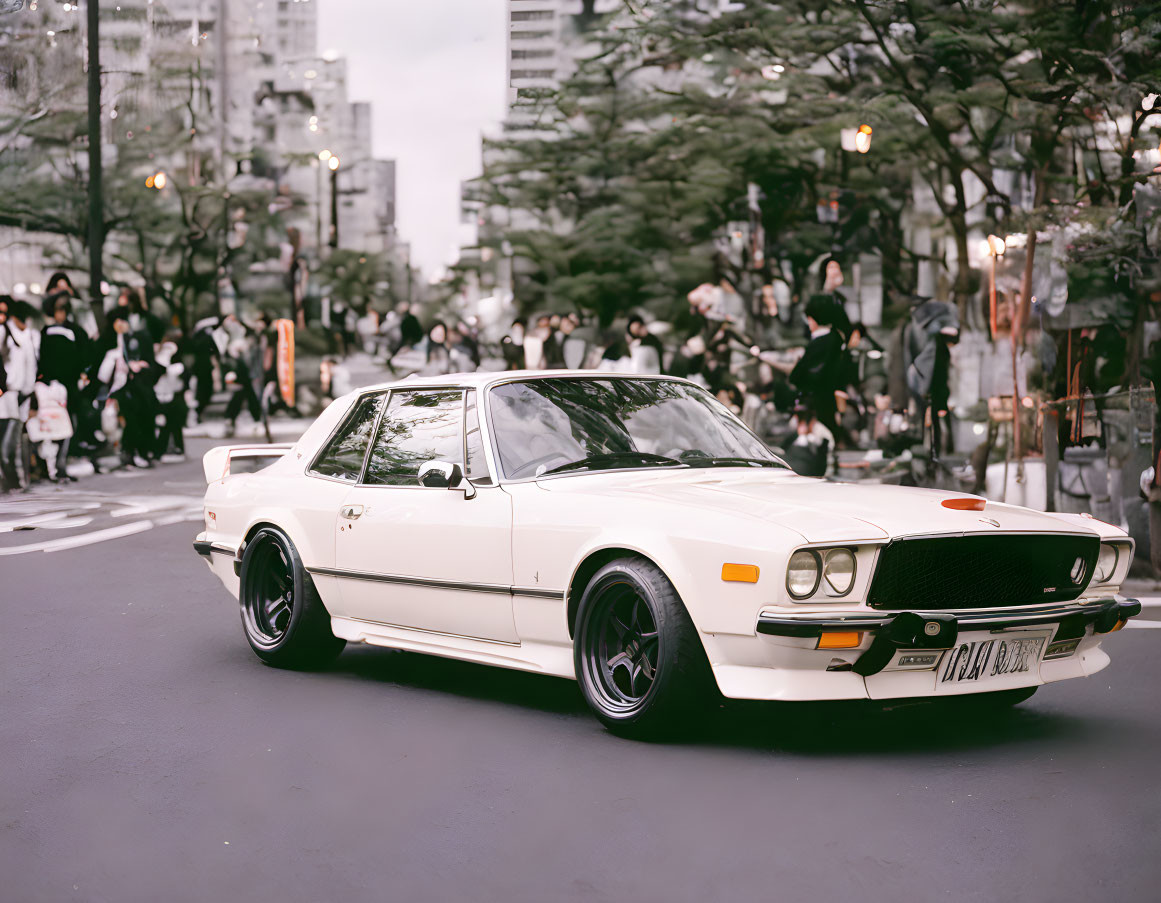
x=222 y=41
x=334 y=166
x=96 y=199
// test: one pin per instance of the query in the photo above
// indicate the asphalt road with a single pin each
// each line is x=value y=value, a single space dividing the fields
x=148 y=755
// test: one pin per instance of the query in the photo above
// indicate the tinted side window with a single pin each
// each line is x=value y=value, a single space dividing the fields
x=343 y=457
x=477 y=470
x=417 y=427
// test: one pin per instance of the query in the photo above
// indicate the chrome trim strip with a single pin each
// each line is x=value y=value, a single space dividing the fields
x=536 y=593
x=412 y=581
x=454 y=636
x=397 y=579
x=963 y=614
x=996 y=618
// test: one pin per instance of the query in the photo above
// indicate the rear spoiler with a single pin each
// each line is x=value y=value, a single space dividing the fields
x=220 y=462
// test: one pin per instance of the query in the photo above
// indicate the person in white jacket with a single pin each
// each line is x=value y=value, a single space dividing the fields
x=19 y=348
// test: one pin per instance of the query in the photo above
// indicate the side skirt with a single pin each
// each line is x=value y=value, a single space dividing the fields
x=540 y=658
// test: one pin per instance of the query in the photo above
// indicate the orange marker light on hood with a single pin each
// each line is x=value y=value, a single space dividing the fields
x=964 y=504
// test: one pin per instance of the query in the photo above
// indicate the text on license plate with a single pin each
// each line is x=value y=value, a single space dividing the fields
x=991 y=658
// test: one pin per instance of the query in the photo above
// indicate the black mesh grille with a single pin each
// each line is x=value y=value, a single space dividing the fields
x=981 y=571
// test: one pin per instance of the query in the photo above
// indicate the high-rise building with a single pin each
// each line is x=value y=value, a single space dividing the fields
x=246 y=79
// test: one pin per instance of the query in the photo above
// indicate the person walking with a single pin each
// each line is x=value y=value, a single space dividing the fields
x=819 y=373
x=170 y=403
x=50 y=428
x=512 y=345
x=19 y=349
x=126 y=374
x=205 y=352
x=66 y=352
x=927 y=342
x=573 y=348
x=244 y=358
x=437 y=353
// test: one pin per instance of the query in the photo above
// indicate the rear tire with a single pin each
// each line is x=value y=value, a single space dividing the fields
x=283 y=617
x=638 y=657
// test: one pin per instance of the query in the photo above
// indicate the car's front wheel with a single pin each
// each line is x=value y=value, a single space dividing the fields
x=285 y=621
x=639 y=660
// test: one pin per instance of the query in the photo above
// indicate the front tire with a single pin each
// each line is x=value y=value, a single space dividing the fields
x=283 y=617
x=639 y=659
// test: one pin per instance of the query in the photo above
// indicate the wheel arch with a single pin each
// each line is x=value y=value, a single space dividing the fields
x=592 y=562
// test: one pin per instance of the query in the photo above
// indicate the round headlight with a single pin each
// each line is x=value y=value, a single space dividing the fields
x=1106 y=563
x=802 y=574
x=838 y=572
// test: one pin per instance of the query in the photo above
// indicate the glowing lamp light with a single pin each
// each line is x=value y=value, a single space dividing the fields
x=995 y=246
x=863 y=138
x=36 y=288
x=324 y=155
x=333 y=162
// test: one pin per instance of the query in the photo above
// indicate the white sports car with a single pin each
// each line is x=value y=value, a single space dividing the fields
x=631 y=533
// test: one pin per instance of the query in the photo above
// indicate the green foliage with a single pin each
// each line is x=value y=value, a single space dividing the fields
x=624 y=194
x=356 y=278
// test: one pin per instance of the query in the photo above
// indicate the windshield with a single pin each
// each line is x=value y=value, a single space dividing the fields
x=545 y=426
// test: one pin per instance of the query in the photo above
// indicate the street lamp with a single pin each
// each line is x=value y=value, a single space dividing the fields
x=333 y=164
x=994 y=247
x=863 y=139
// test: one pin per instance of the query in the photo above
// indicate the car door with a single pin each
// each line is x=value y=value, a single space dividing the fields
x=427 y=558
x=333 y=471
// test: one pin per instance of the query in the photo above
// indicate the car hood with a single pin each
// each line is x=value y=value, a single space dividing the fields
x=819 y=510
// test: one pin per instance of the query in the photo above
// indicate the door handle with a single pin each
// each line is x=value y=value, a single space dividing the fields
x=351 y=512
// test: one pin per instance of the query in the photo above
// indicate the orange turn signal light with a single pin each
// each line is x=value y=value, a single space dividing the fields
x=967 y=504
x=1121 y=623
x=845 y=639
x=740 y=573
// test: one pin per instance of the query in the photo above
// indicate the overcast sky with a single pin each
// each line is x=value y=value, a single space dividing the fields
x=434 y=72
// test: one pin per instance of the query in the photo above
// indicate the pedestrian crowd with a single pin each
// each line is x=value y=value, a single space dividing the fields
x=71 y=391
x=801 y=372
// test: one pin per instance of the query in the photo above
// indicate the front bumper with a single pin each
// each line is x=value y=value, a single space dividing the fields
x=783 y=660
x=940 y=630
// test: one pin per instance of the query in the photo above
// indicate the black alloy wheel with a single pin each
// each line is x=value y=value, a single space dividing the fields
x=624 y=645
x=284 y=619
x=638 y=656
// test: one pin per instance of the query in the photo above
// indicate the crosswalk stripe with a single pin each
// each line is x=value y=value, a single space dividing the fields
x=82 y=539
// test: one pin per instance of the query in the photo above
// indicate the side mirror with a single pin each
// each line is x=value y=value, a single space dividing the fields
x=445 y=475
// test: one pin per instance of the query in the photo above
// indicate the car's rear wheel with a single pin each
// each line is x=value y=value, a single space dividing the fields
x=284 y=619
x=639 y=660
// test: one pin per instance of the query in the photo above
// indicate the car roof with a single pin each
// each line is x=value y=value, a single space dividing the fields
x=483 y=378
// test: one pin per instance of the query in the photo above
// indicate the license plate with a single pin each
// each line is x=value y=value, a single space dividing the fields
x=1001 y=659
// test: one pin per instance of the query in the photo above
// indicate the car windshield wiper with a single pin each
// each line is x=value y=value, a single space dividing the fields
x=723 y=460
x=612 y=459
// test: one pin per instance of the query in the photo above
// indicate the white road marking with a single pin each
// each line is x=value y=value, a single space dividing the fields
x=1143 y=625
x=1150 y=601
x=84 y=539
x=58 y=511
x=36 y=521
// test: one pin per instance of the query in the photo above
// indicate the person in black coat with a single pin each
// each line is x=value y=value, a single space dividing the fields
x=66 y=352
x=819 y=372
x=205 y=352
